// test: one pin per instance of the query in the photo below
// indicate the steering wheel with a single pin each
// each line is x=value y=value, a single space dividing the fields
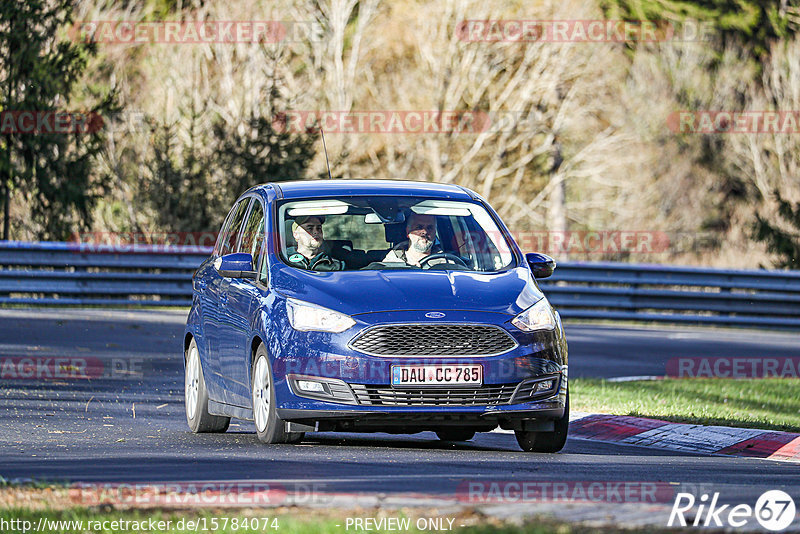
x=444 y=255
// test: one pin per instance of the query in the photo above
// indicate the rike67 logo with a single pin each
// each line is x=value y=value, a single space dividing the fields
x=774 y=511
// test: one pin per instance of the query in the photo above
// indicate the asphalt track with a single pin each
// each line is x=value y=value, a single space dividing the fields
x=130 y=426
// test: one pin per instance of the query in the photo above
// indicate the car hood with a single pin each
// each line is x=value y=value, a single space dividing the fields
x=356 y=292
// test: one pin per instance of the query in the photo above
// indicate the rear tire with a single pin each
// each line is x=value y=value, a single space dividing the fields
x=269 y=427
x=554 y=441
x=455 y=434
x=196 y=396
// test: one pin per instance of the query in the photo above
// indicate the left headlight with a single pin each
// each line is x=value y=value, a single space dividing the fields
x=540 y=316
x=306 y=317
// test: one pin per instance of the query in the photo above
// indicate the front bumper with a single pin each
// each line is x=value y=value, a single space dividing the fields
x=538 y=416
x=338 y=391
x=365 y=400
x=383 y=412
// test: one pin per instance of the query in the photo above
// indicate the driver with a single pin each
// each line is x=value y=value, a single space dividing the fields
x=310 y=251
x=421 y=232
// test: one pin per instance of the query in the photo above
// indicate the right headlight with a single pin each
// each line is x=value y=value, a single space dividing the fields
x=540 y=316
x=305 y=316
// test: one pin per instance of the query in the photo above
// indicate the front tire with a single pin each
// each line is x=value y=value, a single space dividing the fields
x=196 y=396
x=553 y=441
x=269 y=427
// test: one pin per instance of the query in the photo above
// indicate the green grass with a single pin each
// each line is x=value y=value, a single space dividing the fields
x=770 y=403
x=294 y=522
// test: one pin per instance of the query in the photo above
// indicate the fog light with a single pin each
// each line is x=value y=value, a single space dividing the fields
x=321 y=388
x=544 y=385
x=311 y=387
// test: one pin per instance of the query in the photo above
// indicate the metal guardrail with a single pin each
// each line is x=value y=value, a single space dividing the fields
x=88 y=274
x=621 y=291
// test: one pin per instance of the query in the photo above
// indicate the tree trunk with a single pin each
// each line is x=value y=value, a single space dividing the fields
x=556 y=208
x=6 y=219
x=7 y=194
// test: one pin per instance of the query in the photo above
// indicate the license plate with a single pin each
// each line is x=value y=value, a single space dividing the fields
x=437 y=375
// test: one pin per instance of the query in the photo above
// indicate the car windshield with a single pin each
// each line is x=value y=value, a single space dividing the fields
x=384 y=232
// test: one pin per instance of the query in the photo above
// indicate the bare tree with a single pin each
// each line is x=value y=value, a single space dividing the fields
x=567 y=129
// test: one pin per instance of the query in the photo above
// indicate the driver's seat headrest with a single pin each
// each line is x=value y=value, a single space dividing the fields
x=395 y=233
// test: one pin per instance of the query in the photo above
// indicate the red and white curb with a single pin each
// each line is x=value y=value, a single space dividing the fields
x=728 y=441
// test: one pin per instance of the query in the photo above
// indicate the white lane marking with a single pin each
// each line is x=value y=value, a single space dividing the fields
x=634 y=378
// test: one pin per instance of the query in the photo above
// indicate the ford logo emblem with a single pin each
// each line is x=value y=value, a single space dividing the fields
x=434 y=315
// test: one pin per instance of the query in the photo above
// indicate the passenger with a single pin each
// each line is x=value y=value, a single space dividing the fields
x=421 y=232
x=310 y=252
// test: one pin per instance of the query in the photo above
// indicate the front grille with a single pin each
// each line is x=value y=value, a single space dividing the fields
x=369 y=395
x=434 y=340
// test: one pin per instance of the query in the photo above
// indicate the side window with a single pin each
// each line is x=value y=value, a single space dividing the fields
x=221 y=235
x=253 y=234
x=231 y=232
x=262 y=254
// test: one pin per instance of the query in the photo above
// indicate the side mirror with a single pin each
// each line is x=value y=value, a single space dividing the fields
x=237 y=265
x=541 y=265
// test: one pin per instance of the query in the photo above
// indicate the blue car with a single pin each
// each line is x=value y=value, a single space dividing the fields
x=374 y=306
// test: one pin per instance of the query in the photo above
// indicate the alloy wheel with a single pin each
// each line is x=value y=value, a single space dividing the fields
x=192 y=382
x=261 y=395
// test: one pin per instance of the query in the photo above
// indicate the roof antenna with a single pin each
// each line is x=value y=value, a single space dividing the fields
x=326 y=153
